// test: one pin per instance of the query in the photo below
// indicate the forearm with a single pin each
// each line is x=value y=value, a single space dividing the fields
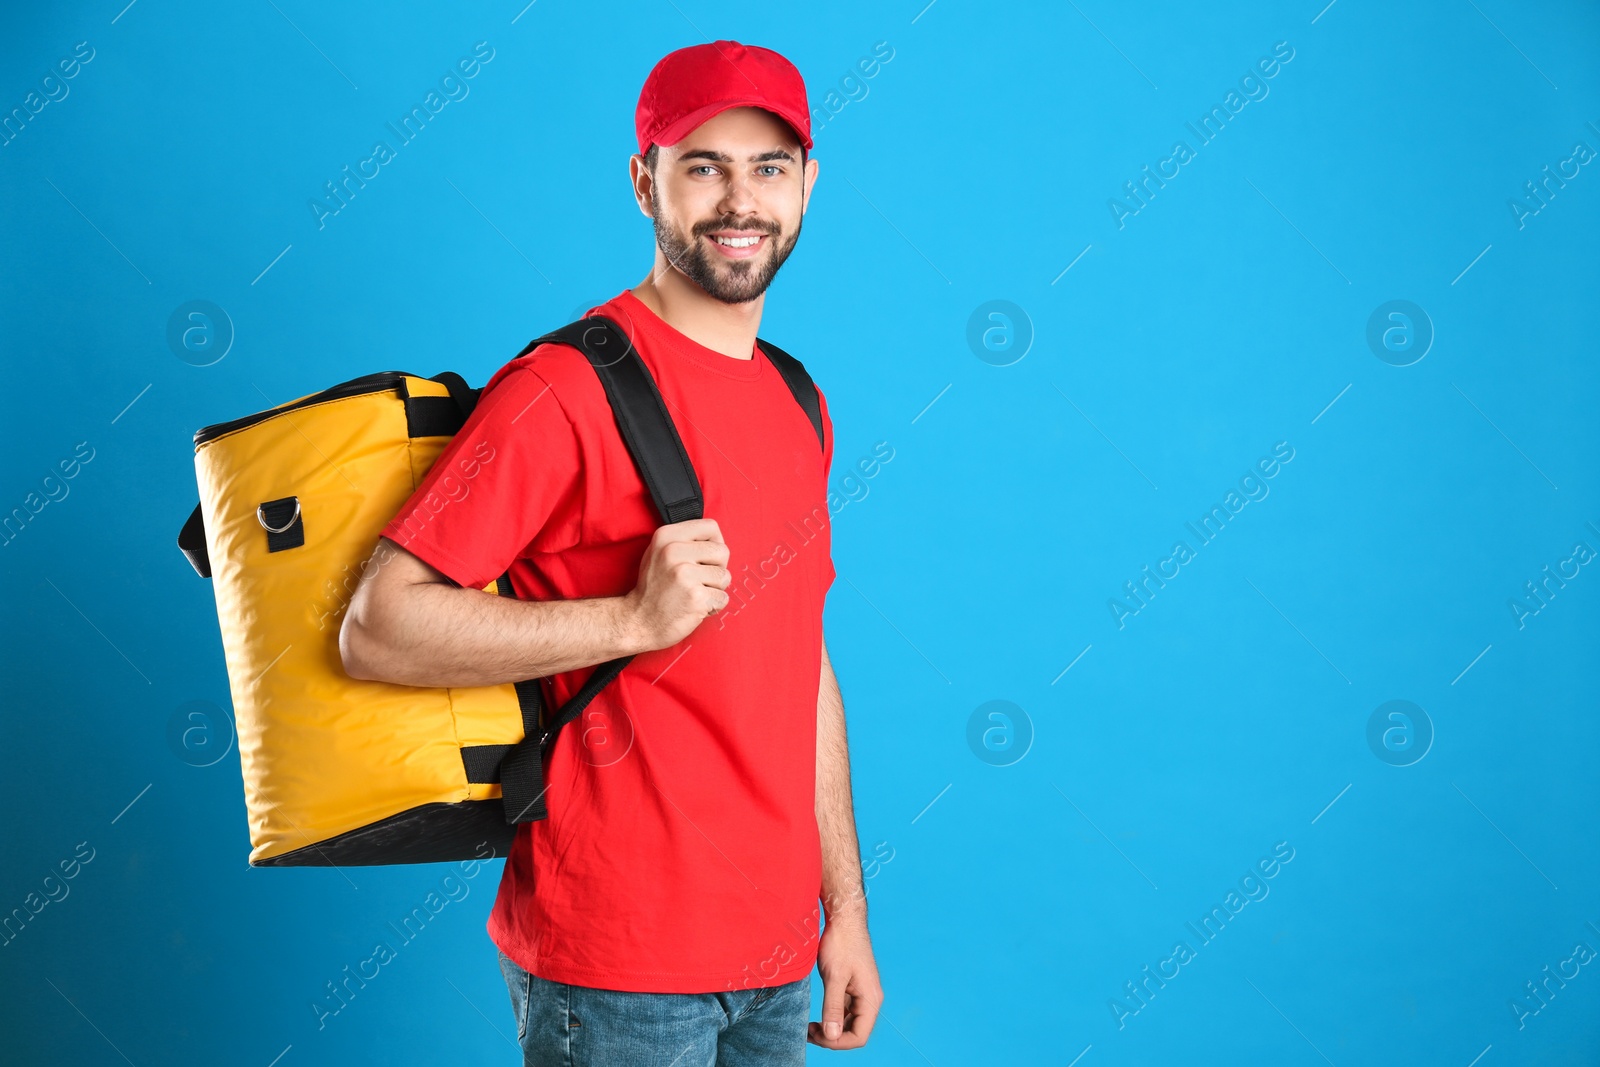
x=843 y=894
x=437 y=634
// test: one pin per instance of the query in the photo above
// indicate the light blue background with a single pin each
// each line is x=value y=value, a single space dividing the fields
x=1228 y=315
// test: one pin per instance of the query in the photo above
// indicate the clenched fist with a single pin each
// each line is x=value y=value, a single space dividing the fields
x=681 y=581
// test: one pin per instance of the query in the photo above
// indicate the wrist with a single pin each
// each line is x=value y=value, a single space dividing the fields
x=627 y=626
x=846 y=910
x=853 y=923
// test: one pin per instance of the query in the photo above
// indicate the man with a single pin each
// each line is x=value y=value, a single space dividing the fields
x=666 y=911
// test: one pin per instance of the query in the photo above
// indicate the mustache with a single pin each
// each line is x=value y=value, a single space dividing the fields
x=734 y=224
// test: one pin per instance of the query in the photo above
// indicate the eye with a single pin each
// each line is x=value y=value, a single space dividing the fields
x=703 y=166
x=773 y=167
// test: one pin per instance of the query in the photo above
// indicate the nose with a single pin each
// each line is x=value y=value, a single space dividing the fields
x=738 y=200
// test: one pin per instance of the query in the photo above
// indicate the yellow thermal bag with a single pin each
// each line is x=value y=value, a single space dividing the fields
x=340 y=771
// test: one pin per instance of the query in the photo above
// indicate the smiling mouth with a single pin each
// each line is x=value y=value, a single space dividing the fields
x=738 y=247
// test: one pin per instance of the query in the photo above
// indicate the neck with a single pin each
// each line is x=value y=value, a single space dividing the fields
x=727 y=328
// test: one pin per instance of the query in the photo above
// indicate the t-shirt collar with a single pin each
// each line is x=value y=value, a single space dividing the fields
x=637 y=318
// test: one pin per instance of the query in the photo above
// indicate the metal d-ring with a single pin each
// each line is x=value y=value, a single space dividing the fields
x=262 y=518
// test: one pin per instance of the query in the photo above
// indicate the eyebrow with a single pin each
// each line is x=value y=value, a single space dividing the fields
x=723 y=157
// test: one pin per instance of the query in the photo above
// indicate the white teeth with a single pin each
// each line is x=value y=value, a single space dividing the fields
x=736 y=242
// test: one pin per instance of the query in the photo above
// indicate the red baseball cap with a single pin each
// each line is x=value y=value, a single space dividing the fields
x=692 y=84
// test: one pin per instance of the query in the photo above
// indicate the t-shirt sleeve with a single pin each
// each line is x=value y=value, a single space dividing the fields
x=827 y=472
x=510 y=480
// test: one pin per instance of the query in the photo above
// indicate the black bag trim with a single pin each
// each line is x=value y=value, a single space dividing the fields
x=429 y=833
x=465 y=397
x=432 y=416
x=367 y=383
x=482 y=762
x=192 y=543
x=440 y=416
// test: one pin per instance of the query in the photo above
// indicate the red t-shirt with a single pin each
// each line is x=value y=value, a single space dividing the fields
x=681 y=852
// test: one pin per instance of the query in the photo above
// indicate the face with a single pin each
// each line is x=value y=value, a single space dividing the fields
x=727 y=201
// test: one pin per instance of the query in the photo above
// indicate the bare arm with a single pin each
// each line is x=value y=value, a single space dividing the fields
x=843 y=894
x=408 y=623
x=852 y=992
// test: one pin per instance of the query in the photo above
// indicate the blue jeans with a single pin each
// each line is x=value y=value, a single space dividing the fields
x=561 y=1025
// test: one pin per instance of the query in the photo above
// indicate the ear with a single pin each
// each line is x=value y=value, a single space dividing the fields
x=639 y=177
x=810 y=180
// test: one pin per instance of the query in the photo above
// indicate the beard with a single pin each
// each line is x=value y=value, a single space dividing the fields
x=732 y=281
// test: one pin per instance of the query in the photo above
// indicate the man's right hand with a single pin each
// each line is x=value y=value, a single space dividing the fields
x=682 y=579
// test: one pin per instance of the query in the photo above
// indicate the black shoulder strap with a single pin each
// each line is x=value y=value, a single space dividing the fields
x=641 y=415
x=800 y=383
x=658 y=451
x=664 y=465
